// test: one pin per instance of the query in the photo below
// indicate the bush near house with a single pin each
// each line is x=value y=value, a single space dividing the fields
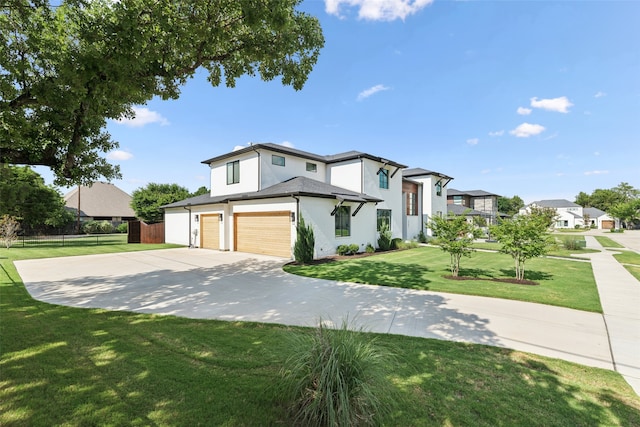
x=351 y=249
x=97 y=227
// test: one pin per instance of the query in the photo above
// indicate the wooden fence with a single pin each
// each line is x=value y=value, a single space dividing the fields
x=141 y=232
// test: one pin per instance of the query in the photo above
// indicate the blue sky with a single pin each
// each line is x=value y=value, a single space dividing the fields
x=539 y=99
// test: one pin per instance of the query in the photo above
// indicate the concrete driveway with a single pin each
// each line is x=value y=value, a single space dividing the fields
x=204 y=284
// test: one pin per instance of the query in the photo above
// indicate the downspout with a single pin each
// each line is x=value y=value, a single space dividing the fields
x=259 y=163
x=188 y=207
x=361 y=175
x=298 y=217
x=421 y=210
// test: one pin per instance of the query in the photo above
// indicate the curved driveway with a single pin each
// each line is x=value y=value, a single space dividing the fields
x=199 y=283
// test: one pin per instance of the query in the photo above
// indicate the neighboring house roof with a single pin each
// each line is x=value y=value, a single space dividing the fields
x=298 y=186
x=101 y=199
x=593 y=212
x=556 y=203
x=463 y=210
x=415 y=172
x=334 y=158
x=472 y=193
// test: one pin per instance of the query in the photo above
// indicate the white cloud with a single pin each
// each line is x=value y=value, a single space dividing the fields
x=524 y=111
x=599 y=94
x=143 y=116
x=560 y=104
x=287 y=144
x=497 y=133
x=525 y=130
x=473 y=141
x=377 y=10
x=596 y=172
x=371 y=91
x=119 y=155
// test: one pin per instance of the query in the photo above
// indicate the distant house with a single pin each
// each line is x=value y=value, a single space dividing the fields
x=477 y=200
x=100 y=202
x=595 y=218
x=572 y=215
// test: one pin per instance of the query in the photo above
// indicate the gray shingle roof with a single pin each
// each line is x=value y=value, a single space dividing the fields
x=556 y=203
x=472 y=193
x=593 y=212
x=333 y=158
x=298 y=186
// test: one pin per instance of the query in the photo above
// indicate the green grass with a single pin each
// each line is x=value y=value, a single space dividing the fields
x=557 y=251
x=607 y=242
x=73 y=367
x=631 y=261
x=562 y=283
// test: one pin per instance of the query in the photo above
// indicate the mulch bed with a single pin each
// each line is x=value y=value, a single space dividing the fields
x=514 y=281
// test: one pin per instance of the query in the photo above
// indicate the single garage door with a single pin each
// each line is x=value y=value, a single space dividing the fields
x=267 y=233
x=210 y=231
x=607 y=224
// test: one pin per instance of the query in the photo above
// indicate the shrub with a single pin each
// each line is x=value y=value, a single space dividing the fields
x=370 y=249
x=573 y=243
x=384 y=241
x=336 y=377
x=9 y=228
x=395 y=243
x=406 y=244
x=422 y=238
x=305 y=243
x=123 y=228
x=348 y=249
x=97 y=227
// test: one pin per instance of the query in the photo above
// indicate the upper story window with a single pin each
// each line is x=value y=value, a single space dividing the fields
x=233 y=172
x=412 y=208
x=458 y=200
x=277 y=160
x=439 y=188
x=384 y=178
x=312 y=167
x=343 y=221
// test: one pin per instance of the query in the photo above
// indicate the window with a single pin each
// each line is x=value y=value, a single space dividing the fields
x=312 y=167
x=233 y=172
x=384 y=178
x=458 y=200
x=384 y=217
x=439 y=188
x=412 y=208
x=343 y=221
x=277 y=160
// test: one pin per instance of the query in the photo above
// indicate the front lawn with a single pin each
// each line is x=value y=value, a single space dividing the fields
x=607 y=242
x=631 y=261
x=71 y=366
x=562 y=283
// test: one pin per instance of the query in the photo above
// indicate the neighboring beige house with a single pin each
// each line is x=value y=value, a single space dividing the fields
x=478 y=200
x=100 y=202
x=258 y=194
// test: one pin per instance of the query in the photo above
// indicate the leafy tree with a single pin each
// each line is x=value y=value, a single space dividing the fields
x=626 y=191
x=146 y=202
x=455 y=235
x=200 y=191
x=25 y=196
x=67 y=68
x=547 y=215
x=305 y=243
x=510 y=206
x=627 y=212
x=583 y=199
x=605 y=199
x=9 y=228
x=523 y=237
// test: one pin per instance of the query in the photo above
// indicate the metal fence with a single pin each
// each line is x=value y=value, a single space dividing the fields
x=70 y=240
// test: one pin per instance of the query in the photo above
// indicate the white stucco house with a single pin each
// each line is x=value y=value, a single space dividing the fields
x=258 y=194
x=425 y=192
x=572 y=215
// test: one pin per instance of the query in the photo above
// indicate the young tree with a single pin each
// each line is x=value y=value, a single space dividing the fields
x=626 y=212
x=9 y=229
x=305 y=243
x=455 y=235
x=146 y=201
x=66 y=68
x=523 y=237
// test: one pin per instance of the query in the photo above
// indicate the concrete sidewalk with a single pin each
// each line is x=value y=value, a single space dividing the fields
x=620 y=298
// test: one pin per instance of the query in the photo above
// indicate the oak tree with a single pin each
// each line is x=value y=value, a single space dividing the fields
x=67 y=68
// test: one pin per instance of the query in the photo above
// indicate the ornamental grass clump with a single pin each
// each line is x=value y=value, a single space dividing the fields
x=336 y=377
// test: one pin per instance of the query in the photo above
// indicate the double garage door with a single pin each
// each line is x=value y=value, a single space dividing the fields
x=267 y=233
